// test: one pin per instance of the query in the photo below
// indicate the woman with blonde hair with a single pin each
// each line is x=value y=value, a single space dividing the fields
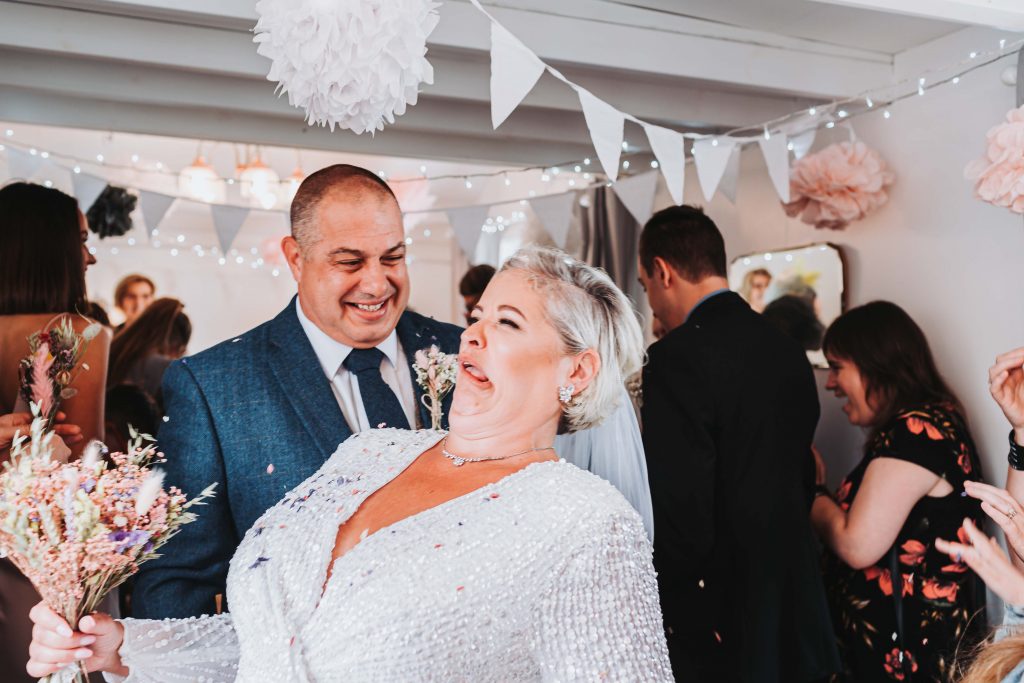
x=473 y=554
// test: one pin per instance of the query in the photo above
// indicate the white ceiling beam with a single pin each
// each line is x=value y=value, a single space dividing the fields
x=604 y=35
x=29 y=106
x=1007 y=15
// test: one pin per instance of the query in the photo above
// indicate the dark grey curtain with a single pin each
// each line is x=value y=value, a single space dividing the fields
x=610 y=236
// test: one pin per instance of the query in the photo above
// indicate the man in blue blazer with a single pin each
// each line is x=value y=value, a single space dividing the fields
x=260 y=413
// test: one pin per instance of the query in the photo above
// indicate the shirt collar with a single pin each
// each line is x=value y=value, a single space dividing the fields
x=705 y=298
x=332 y=353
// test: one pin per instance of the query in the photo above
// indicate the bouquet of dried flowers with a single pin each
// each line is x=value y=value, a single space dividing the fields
x=435 y=373
x=77 y=530
x=52 y=365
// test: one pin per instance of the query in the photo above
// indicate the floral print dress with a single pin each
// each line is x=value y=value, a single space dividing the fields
x=942 y=600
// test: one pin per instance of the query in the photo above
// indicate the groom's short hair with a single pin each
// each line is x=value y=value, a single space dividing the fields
x=354 y=181
x=687 y=239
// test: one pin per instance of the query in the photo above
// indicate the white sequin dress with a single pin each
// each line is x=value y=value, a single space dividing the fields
x=545 y=575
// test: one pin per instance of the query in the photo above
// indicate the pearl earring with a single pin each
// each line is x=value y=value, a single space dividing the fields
x=565 y=393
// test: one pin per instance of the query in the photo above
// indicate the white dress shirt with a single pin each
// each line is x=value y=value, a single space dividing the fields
x=394 y=369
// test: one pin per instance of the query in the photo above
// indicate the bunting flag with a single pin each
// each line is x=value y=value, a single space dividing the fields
x=730 y=181
x=22 y=165
x=669 y=149
x=802 y=143
x=776 y=156
x=637 y=194
x=606 y=125
x=87 y=189
x=515 y=69
x=154 y=207
x=555 y=213
x=711 y=156
x=227 y=221
x=468 y=223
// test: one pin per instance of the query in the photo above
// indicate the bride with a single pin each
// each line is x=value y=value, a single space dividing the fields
x=421 y=555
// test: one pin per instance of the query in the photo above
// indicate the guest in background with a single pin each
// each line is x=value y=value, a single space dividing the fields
x=1003 y=660
x=132 y=295
x=755 y=284
x=95 y=311
x=473 y=284
x=729 y=412
x=901 y=609
x=43 y=257
x=141 y=353
x=795 y=318
x=129 y=406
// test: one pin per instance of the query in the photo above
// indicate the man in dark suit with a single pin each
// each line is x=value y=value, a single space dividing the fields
x=260 y=413
x=729 y=412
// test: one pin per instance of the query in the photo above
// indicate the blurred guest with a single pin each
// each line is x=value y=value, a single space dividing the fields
x=43 y=257
x=901 y=609
x=95 y=311
x=755 y=284
x=473 y=284
x=133 y=293
x=795 y=318
x=729 y=411
x=141 y=353
x=129 y=406
x=797 y=287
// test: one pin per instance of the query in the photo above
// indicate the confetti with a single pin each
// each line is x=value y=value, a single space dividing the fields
x=270 y=468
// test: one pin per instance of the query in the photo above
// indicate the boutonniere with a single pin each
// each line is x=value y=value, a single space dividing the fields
x=435 y=373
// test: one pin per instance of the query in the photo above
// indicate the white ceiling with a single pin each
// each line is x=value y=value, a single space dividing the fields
x=846 y=26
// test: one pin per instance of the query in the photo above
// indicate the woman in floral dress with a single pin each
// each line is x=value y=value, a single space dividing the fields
x=902 y=610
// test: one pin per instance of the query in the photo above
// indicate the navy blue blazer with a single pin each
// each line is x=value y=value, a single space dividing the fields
x=234 y=410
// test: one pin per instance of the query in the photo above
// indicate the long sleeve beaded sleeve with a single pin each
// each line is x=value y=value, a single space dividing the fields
x=170 y=650
x=602 y=619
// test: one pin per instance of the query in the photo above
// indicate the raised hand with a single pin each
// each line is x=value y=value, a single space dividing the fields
x=1004 y=511
x=54 y=645
x=989 y=561
x=1006 y=383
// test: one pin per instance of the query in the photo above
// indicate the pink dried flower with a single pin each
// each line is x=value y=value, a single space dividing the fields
x=42 y=387
x=840 y=184
x=999 y=175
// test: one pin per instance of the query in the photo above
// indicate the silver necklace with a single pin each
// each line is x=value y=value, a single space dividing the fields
x=459 y=461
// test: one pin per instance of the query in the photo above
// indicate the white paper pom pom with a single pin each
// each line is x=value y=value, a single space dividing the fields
x=350 y=63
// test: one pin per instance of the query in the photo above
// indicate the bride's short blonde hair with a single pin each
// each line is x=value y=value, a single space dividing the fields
x=589 y=312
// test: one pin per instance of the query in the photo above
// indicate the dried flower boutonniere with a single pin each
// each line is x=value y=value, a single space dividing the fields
x=435 y=373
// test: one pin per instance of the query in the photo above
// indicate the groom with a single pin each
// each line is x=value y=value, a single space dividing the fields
x=262 y=412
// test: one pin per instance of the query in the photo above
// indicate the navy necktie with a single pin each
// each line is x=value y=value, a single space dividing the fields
x=383 y=409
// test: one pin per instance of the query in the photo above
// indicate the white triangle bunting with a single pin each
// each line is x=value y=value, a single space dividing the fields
x=730 y=181
x=637 y=193
x=711 y=156
x=227 y=221
x=21 y=165
x=87 y=189
x=802 y=143
x=468 y=224
x=515 y=69
x=669 y=149
x=605 y=123
x=555 y=213
x=776 y=156
x=154 y=207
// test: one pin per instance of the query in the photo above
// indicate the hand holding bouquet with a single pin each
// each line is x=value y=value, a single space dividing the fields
x=77 y=530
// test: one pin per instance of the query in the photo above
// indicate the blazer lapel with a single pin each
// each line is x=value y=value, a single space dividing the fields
x=295 y=365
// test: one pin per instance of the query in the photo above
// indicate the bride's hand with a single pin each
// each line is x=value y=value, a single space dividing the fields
x=54 y=645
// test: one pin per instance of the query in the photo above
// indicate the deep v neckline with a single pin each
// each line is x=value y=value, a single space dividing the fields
x=329 y=573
